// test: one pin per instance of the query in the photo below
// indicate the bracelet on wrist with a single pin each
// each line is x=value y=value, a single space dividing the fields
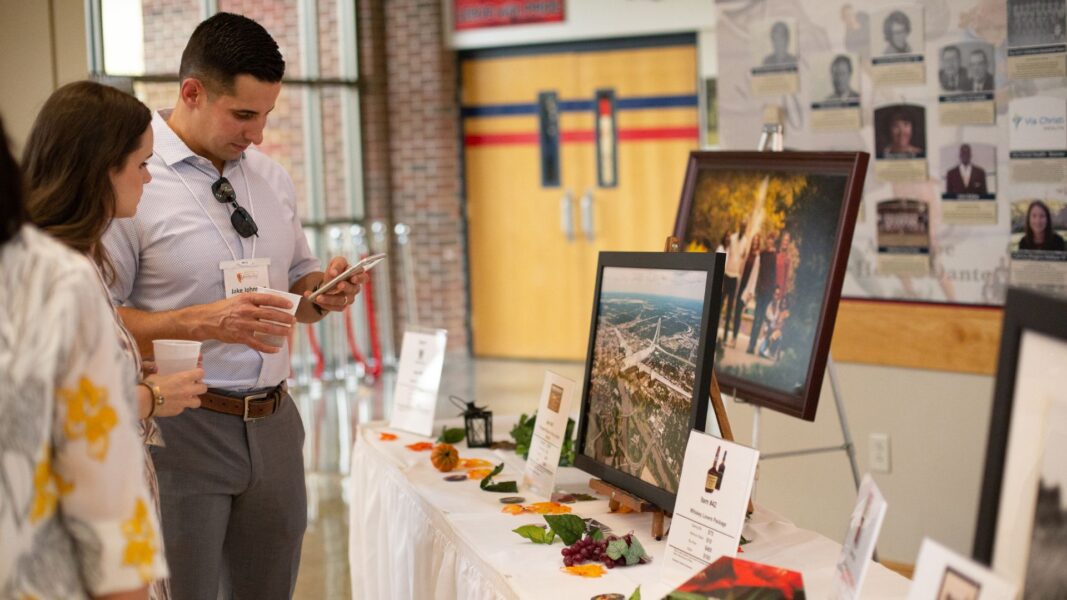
x=157 y=396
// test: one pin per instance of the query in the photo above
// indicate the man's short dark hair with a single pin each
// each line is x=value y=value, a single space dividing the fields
x=780 y=26
x=947 y=49
x=227 y=45
x=896 y=17
x=843 y=59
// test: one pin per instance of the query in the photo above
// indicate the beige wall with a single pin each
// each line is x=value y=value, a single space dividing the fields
x=937 y=423
x=42 y=46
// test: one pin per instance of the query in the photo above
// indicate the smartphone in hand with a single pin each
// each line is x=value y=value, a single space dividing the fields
x=363 y=265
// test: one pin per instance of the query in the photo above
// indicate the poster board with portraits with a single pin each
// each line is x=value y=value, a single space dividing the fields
x=648 y=368
x=992 y=79
x=785 y=220
x=1022 y=518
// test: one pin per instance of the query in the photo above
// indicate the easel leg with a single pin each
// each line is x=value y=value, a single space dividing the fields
x=657 y=525
x=850 y=448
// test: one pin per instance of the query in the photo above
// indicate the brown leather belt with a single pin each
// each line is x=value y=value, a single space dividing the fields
x=249 y=407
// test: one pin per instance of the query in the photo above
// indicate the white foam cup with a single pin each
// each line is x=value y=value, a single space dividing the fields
x=294 y=299
x=173 y=356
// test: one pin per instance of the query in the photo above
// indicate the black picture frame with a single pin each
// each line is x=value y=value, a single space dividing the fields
x=712 y=264
x=800 y=400
x=1025 y=312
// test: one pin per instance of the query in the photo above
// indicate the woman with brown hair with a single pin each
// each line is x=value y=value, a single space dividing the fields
x=85 y=165
x=1039 y=232
x=74 y=505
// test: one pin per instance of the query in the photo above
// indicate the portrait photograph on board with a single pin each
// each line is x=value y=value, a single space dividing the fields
x=971 y=170
x=900 y=131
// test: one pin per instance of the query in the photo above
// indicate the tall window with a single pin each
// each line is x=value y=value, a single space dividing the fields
x=314 y=129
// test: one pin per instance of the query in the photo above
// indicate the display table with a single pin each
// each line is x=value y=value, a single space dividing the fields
x=415 y=535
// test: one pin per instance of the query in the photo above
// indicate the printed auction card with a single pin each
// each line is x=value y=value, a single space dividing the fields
x=941 y=573
x=557 y=398
x=858 y=548
x=422 y=356
x=709 y=512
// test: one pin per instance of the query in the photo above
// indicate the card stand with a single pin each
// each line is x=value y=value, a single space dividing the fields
x=618 y=498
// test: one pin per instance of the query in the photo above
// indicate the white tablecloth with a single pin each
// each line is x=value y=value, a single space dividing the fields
x=414 y=535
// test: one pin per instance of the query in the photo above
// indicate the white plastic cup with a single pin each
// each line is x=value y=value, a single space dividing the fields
x=294 y=299
x=173 y=356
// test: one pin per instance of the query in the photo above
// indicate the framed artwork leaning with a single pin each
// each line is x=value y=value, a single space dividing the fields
x=648 y=368
x=1022 y=517
x=785 y=221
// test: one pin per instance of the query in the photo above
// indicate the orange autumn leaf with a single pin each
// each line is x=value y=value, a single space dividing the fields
x=473 y=463
x=513 y=509
x=386 y=437
x=549 y=508
x=592 y=570
x=420 y=446
x=479 y=473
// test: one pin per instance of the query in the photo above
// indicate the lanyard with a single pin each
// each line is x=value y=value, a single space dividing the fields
x=251 y=204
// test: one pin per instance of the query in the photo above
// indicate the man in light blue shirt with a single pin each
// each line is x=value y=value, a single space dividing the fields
x=220 y=218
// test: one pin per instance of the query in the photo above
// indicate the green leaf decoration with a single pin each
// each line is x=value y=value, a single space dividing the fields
x=569 y=528
x=744 y=541
x=503 y=486
x=616 y=549
x=596 y=534
x=685 y=596
x=523 y=431
x=452 y=435
x=635 y=552
x=538 y=534
x=636 y=595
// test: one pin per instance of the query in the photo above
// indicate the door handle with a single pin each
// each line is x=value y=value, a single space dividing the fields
x=586 y=204
x=566 y=215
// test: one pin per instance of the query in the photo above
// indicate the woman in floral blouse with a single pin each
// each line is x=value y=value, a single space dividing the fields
x=85 y=165
x=75 y=510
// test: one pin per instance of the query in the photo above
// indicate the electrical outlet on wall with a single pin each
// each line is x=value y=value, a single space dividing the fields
x=878 y=459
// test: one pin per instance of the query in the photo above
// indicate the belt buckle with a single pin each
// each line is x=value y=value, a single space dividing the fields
x=248 y=399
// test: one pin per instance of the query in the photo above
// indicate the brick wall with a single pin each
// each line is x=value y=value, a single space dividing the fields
x=410 y=132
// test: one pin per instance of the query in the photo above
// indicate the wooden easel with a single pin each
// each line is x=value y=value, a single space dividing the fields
x=618 y=497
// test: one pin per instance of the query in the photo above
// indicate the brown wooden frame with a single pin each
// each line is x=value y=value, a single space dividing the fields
x=852 y=165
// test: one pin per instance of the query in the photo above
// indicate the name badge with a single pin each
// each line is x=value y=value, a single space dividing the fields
x=248 y=275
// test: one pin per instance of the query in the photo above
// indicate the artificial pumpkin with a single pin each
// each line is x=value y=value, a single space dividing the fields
x=444 y=457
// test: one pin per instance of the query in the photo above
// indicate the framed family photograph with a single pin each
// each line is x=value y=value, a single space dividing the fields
x=648 y=369
x=785 y=221
x=1022 y=516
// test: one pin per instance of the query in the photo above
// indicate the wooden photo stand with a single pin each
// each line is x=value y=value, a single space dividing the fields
x=618 y=497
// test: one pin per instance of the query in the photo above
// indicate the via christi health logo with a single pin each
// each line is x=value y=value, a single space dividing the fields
x=1046 y=122
x=1015 y=120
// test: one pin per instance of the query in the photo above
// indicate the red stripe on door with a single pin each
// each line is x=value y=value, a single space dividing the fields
x=584 y=135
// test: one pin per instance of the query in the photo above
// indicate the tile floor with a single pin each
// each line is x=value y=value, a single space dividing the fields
x=331 y=413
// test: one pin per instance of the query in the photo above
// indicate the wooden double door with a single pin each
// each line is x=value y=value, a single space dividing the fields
x=568 y=151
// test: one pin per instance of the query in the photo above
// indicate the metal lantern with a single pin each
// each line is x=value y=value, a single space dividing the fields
x=479 y=425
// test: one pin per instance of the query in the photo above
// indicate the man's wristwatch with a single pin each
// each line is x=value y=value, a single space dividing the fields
x=157 y=396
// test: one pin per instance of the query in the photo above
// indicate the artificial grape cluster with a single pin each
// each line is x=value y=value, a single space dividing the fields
x=588 y=549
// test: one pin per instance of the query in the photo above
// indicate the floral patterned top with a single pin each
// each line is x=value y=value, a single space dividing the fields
x=76 y=516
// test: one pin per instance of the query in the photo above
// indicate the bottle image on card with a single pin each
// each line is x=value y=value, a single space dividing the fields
x=712 y=481
x=555 y=398
x=722 y=471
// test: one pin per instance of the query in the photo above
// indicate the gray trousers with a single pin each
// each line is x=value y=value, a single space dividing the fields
x=233 y=503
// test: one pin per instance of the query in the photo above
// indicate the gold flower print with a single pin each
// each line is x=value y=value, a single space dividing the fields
x=90 y=416
x=140 y=536
x=48 y=487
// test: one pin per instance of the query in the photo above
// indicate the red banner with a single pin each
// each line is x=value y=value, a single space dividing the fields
x=476 y=14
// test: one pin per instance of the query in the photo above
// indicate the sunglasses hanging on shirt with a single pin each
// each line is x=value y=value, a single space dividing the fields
x=240 y=219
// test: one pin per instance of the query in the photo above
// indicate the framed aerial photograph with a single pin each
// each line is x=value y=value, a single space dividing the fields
x=648 y=369
x=1022 y=517
x=785 y=220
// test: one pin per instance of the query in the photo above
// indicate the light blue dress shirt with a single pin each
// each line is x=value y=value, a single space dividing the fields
x=167 y=256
